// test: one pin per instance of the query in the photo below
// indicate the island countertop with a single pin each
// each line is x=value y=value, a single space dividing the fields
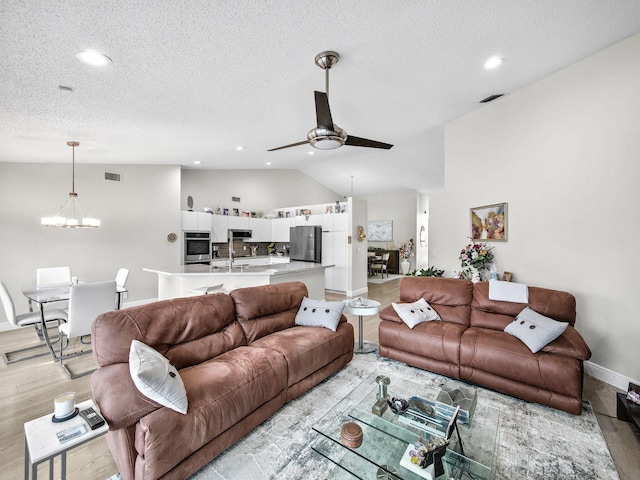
x=189 y=280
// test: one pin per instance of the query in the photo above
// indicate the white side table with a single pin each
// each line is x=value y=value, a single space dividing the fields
x=41 y=443
x=368 y=307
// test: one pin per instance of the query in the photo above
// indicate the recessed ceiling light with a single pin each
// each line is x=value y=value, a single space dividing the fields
x=197 y=162
x=268 y=163
x=493 y=62
x=93 y=58
x=311 y=152
x=239 y=147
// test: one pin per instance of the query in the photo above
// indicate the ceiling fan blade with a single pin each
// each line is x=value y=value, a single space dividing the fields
x=363 y=142
x=323 y=112
x=287 y=146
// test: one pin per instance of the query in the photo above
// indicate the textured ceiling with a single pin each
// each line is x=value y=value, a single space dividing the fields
x=191 y=80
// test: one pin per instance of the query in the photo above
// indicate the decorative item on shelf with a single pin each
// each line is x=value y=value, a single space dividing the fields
x=398 y=405
x=406 y=251
x=70 y=215
x=208 y=210
x=351 y=435
x=172 y=237
x=475 y=258
x=190 y=203
x=361 y=235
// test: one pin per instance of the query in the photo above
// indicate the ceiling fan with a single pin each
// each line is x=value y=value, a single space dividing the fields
x=327 y=135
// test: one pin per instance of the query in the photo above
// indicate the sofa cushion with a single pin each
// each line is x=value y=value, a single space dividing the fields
x=318 y=313
x=450 y=297
x=308 y=349
x=535 y=330
x=416 y=312
x=156 y=378
x=187 y=331
x=269 y=308
x=221 y=392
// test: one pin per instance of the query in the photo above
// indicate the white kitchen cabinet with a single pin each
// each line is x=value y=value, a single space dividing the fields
x=280 y=229
x=219 y=227
x=334 y=252
x=334 y=222
x=196 y=221
x=309 y=220
x=260 y=229
x=238 y=223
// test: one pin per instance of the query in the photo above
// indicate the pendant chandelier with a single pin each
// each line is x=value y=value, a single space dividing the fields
x=70 y=215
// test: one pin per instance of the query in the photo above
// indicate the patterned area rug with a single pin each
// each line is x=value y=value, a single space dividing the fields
x=533 y=441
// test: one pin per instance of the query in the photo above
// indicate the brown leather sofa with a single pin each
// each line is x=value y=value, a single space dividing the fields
x=240 y=357
x=470 y=343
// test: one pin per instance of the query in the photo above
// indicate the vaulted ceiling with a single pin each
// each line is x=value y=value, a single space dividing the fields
x=192 y=80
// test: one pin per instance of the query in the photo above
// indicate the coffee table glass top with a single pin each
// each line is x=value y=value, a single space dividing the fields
x=386 y=437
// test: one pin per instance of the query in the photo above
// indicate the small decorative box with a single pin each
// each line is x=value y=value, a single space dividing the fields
x=351 y=435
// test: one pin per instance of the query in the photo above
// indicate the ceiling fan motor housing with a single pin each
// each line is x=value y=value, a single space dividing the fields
x=325 y=139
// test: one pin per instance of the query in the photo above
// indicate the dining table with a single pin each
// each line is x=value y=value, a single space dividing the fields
x=44 y=294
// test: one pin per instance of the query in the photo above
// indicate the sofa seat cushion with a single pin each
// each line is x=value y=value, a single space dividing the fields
x=308 y=349
x=503 y=355
x=221 y=392
x=436 y=340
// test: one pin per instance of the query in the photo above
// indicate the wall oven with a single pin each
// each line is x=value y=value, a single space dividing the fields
x=197 y=247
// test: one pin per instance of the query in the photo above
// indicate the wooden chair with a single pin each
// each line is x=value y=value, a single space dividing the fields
x=381 y=266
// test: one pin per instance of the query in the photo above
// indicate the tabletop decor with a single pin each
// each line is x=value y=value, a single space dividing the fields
x=475 y=258
x=406 y=251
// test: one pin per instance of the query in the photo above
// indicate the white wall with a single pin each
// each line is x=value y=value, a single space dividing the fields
x=258 y=189
x=402 y=208
x=565 y=154
x=136 y=214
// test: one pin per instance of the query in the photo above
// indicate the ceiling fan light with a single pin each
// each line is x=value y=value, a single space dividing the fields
x=327 y=143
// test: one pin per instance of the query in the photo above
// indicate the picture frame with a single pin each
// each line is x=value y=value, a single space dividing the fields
x=489 y=223
x=380 y=231
x=506 y=276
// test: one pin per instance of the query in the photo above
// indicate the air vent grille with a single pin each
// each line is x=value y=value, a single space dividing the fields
x=491 y=98
x=235 y=199
x=113 y=176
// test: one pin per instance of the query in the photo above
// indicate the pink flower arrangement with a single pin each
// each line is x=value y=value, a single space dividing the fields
x=406 y=249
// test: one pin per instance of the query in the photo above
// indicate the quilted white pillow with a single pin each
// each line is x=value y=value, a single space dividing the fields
x=535 y=330
x=414 y=313
x=156 y=378
x=318 y=313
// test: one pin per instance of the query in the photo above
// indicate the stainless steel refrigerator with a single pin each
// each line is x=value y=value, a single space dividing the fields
x=306 y=243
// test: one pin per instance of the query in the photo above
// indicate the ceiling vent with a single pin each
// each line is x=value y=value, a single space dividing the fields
x=491 y=98
x=112 y=176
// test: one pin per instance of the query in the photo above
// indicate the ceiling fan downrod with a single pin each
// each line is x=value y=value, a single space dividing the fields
x=326 y=60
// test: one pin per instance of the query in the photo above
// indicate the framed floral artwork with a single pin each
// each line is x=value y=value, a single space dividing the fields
x=380 y=231
x=489 y=223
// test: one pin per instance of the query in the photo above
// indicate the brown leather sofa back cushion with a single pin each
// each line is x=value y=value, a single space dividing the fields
x=267 y=309
x=497 y=315
x=451 y=298
x=187 y=331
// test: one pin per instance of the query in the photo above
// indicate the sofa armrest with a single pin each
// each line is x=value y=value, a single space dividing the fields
x=389 y=313
x=569 y=344
x=120 y=402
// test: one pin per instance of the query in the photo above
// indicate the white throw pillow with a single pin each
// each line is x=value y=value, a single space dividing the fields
x=535 y=330
x=318 y=313
x=414 y=313
x=156 y=378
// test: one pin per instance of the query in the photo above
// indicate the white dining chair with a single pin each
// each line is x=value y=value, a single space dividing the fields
x=32 y=319
x=53 y=276
x=86 y=302
x=121 y=281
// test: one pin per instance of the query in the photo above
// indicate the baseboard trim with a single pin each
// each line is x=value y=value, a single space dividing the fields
x=608 y=376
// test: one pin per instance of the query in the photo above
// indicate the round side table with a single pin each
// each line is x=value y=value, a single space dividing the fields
x=368 y=307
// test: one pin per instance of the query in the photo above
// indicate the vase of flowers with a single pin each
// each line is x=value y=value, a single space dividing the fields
x=475 y=258
x=406 y=251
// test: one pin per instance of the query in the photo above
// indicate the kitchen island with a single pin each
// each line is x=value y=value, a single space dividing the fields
x=185 y=280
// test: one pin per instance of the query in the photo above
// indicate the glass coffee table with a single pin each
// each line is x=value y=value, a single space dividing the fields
x=383 y=453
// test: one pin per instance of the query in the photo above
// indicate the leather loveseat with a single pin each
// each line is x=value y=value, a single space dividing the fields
x=240 y=357
x=470 y=343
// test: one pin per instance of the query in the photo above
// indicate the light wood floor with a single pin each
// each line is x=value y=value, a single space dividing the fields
x=27 y=391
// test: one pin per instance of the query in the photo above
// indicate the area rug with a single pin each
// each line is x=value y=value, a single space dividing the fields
x=532 y=441
x=386 y=279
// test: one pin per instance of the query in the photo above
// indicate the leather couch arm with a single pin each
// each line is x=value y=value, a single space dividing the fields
x=120 y=402
x=569 y=344
x=389 y=313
